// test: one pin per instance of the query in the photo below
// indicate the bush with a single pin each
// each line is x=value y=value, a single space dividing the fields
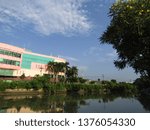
x=92 y=82
x=113 y=81
x=81 y=80
x=3 y=85
x=42 y=82
x=22 y=76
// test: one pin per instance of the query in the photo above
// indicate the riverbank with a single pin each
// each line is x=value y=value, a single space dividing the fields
x=43 y=85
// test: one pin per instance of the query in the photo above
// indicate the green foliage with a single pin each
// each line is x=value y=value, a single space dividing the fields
x=92 y=82
x=72 y=79
x=81 y=80
x=61 y=79
x=142 y=83
x=72 y=74
x=104 y=82
x=3 y=85
x=56 y=67
x=113 y=81
x=129 y=34
x=22 y=76
x=42 y=82
x=19 y=84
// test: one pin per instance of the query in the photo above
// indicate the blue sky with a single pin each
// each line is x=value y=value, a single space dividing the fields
x=66 y=28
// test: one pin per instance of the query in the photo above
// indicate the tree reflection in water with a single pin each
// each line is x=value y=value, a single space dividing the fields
x=59 y=102
x=145 y=101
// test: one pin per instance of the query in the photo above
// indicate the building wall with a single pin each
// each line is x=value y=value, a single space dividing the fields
x=27 y=72
x=6 y=72
x=10 y=59
x=16 y=61
x=28 y=59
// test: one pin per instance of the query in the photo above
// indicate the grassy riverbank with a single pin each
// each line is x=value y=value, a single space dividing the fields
x=42 y=84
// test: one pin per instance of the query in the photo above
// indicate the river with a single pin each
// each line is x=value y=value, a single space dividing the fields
x=74 y=103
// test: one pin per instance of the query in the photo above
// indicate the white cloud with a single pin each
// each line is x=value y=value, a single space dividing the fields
x=46 y=16
x=68 y=58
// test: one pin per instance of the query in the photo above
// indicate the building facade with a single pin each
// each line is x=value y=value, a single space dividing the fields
x=15 y=61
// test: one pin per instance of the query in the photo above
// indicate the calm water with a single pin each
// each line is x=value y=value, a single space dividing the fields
x=75 y=103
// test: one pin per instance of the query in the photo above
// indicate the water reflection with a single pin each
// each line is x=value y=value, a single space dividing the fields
x=145 y=101
x=74 y=103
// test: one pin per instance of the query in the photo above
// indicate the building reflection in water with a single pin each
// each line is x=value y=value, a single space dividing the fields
x=29 y=110
x=31 y=104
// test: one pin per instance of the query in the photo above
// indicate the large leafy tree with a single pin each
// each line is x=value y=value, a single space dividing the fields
x=129 y=34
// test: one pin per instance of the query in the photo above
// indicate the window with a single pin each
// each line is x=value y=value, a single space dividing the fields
x=10 y=53
x=10 y=62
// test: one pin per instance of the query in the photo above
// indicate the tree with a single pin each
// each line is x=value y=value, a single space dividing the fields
x=129 y=34
x=56 y=67
x=113 y=81
x=81 y=80
x=74 y=71
x=72 y=74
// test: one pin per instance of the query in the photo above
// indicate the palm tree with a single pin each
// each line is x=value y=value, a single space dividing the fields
x=50 y=67
x=72 y=73
x=56 y=67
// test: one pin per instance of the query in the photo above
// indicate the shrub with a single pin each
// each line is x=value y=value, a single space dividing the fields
x=3 y=85
x=22 y=76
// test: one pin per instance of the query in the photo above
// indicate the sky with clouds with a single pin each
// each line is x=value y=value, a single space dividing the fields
x=66 y=28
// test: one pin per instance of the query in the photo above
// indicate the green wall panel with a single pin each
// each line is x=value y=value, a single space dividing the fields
x=27 y=59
